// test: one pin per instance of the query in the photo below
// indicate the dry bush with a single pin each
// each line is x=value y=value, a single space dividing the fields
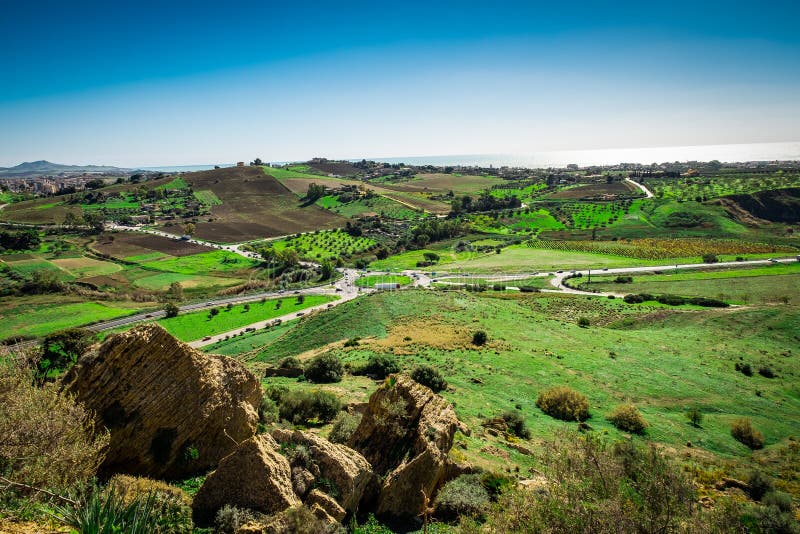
x=564 y=403
x=594 y=486
x=743 y=431
x=46 y=439
x=627 y=418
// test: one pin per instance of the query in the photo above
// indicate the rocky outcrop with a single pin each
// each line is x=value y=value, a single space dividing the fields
x=254 y=476
x=348 y=471
x=406 y=434
x=172 y=411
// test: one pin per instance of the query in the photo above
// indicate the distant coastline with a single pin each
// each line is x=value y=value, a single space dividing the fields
x=788 y=151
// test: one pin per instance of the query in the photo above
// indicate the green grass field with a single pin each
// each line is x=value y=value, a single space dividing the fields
x=663 y=360
x=250 y=341
x=162 y=281
x=371 y=281
x=217 y=261
x=43 y=314
x=195 y=325
x=774 y=284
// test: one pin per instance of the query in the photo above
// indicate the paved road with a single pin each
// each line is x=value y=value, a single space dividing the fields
x=345 y=289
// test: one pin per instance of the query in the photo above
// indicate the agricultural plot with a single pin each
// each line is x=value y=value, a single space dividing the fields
x=195 y=325
x=459 y=184
x=42 y=314
x=655 y=248
x=254 y=205
x=189 y=282
x=324 y=245
x=708 y=187
x=373 y=280
x=215 y=262
x=523 y=193
x=665 y=361
x=523 y=220
x=597 y=191
x=375 y=205
x=134 y=246
x=740 y=286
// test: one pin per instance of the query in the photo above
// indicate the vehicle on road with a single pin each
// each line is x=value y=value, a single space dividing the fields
x=206 y=338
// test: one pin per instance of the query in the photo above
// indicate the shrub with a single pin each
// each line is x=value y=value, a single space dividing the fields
x=758 y=485
x=46 y=439
x=584 y=322
x=324 y=369
x=290 y=362
x=516 y=423
x=301 y=407
x=230 y=519
x=744 y=368
x=462 y=496
x=267 y=411
x=172 y=506
x=343 y=427
x=710 y=258
x=352 y=342
x=106 y=511
x=528 y=289
x=499 y=287
x=743 y=431
x=430 y=377
x=766 y=372
x=695 y=417
x=780 y=500
x=380 y=366
x=564 y=403
x=633 y=299
x=479 y=338
x=628 y=419
x=623 y=280
x=594 y=486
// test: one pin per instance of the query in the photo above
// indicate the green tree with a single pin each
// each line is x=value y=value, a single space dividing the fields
x=62 y=349
x=175 y=291
x=326 y=270
x=171 y=310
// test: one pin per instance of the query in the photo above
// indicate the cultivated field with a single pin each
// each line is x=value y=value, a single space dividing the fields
x=254 y=205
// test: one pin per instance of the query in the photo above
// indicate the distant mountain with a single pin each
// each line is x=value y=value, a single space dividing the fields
x=42 y=167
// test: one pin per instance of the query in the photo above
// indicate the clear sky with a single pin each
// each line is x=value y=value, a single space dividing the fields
x=149 y=83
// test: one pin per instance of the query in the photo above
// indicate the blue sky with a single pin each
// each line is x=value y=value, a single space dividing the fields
x=158 y=83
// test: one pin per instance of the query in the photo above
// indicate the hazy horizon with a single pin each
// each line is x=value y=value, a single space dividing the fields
x=732 y=153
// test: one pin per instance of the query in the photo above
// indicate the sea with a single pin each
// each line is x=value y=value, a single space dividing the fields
x=785 y=151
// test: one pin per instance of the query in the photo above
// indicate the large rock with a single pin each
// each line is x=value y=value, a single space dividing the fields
x=172 y=411
x=345 y=468
x=406 y=434
x=255 y=476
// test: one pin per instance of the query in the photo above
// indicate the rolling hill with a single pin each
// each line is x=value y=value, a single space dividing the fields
x=43 y=167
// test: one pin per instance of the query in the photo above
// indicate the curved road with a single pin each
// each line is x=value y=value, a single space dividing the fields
x=647 y=192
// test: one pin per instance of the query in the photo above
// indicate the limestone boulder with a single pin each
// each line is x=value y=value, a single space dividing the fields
x=172 y=411
x=406 y=434
x=255 y=476
x=346 y=469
